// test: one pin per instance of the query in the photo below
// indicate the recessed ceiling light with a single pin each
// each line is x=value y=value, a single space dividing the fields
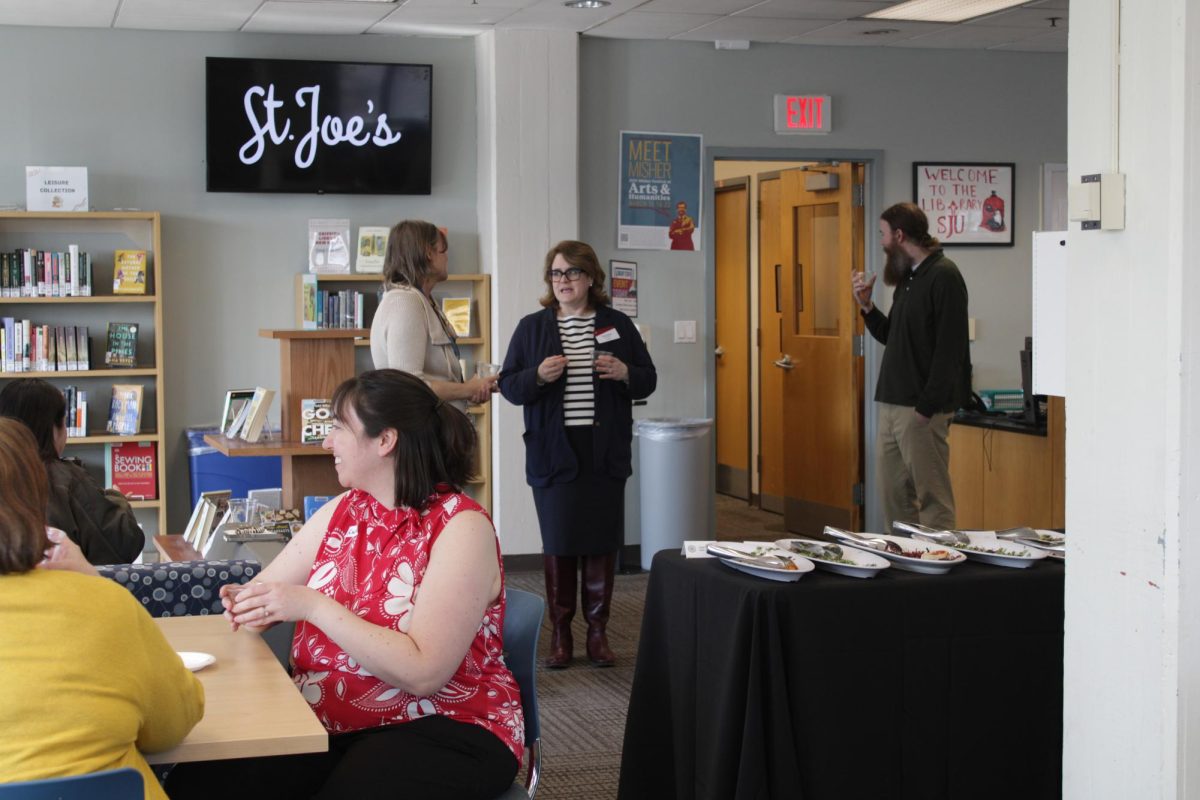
x=943 y=10
x=587 y=3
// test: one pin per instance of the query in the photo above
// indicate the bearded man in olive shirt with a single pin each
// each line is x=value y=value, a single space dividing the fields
x=926 y=370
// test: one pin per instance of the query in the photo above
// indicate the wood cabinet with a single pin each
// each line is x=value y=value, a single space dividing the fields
x=314 y=362
x=1003 y=479
x=99 y=234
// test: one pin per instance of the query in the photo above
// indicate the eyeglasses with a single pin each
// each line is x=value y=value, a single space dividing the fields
x=572 y=274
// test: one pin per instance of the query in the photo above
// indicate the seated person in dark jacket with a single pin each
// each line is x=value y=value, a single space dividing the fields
x=99 y=520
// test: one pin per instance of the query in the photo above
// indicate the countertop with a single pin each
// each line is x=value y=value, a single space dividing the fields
x=1003 y=421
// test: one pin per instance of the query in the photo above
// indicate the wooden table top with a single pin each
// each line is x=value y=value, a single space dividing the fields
x=251 y=706
x=173 y=547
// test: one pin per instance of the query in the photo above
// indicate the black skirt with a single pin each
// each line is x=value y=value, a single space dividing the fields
x=586 y=516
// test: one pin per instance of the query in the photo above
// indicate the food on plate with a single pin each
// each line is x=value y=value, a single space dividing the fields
x=822 y=555
x=929 y=555
x=994 y=551
x=760 y=552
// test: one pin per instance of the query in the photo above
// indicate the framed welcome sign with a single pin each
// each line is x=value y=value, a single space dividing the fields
x=968 y=204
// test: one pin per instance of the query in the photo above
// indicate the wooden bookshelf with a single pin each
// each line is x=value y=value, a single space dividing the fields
x=100 y=233
x=475 y=348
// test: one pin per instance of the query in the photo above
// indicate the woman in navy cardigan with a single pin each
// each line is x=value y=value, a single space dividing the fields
x=577 y=366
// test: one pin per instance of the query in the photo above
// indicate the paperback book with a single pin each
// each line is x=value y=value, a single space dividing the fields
x=256 y=414
x=122 y=344
x=458 y=314
x=372 y=247
x=132 y=469
x=129 y=272
x=125 y=413
x=316 y=416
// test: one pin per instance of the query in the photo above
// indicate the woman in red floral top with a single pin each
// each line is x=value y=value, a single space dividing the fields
x=397 y=590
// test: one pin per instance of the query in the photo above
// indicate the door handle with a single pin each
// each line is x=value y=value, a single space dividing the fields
x=720 y=351
x=785 y=362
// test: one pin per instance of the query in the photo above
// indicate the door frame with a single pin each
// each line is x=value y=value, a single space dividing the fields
x=873 y=351
x=731 y=185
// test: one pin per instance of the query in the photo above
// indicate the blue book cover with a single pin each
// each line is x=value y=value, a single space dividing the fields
x=313 y=503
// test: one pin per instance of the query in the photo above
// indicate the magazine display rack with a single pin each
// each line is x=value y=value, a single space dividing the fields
x=101 y=234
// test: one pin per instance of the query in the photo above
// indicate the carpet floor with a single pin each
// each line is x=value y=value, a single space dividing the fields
x=583 y=708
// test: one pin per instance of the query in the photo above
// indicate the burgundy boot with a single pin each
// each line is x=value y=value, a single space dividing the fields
x=597 y=597
x=560 y=600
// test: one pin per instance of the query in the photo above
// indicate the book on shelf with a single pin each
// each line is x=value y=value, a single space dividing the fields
x=316 y=416
x=256 y=414
x=236 y=401
x=458 y=314
x=121 y=350
x=76 y=415
x=313 y=503
x=25 y=272
x=209 y=510
x=26 y=347
x=132 y=469
x=129 y=272
x=308 y=302
x=372 y=247
x=125 y=412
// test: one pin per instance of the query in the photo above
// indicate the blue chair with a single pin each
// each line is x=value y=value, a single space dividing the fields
x=180 y=588
x=522 y=626
x=116 y=784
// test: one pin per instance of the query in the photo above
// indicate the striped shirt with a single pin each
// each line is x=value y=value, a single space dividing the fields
x=578 y=334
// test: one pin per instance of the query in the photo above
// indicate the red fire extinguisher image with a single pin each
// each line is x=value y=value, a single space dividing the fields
x=993 y=214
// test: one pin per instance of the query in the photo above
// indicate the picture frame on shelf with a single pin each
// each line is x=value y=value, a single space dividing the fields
x=235 y=401
x=969 y=204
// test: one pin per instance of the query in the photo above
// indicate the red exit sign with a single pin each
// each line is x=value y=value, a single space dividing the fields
x=803 y=113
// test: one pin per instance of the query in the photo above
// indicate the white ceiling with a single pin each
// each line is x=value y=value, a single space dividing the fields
x=811 y=22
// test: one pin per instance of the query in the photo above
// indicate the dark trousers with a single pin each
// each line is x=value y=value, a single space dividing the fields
x=433 y=757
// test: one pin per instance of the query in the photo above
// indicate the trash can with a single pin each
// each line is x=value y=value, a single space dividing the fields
x=211 y=470
x=674 y=466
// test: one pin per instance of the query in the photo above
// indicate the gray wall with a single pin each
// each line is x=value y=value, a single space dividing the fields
x=130 y=107
x=910 y=104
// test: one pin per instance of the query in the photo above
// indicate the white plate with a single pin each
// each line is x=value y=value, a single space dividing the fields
x=196 y=661
x=1049 y=540
x=923 y=565
x=803 y=565
x=866 y=565
x=1015 y=554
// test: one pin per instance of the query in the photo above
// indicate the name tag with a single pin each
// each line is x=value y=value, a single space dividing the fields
x=608 y=334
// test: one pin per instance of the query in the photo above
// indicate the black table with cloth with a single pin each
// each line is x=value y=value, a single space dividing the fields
x=835 y=688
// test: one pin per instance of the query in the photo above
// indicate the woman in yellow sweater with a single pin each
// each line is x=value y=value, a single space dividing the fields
x=87 y=681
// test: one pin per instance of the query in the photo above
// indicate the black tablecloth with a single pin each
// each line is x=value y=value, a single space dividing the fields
x=835 y=688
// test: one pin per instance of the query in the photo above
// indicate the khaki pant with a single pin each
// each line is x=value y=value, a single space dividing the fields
x=913 y=468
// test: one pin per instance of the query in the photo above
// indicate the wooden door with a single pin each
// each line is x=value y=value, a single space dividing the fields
x=770 y=338
x=732 y=244
x=820 y=235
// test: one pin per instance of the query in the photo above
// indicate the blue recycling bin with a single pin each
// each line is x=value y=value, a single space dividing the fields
x=211 y=470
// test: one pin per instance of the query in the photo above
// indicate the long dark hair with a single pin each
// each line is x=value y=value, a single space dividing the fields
x=909 y=217
x=38 y=404
x=24 y=491
x=577 y=254
x=435 y=442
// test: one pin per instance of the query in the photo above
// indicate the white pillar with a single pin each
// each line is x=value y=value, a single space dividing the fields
x=528 y=99
x=1132 y=653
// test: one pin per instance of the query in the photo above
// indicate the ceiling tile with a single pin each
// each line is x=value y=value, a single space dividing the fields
x=1055 y=42
x=462 y=20
x=969 y=37
x=815 y=9
x=61 y=13
x=1024 y=18
x=698 y=6
x=638 y=25
x=853 y=33
x=185 y=15
x=553 y=15
x=755 y=29
x=329 y=16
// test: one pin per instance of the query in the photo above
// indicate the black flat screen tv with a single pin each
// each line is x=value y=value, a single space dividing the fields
x=276 y=125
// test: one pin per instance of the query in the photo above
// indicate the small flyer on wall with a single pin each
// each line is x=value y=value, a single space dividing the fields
x=624 y=286
x=659 y=202
x=329 y=245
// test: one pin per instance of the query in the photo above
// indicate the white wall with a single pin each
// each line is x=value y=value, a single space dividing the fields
x=129 y=105
x=909 y=104
x=1132 y=655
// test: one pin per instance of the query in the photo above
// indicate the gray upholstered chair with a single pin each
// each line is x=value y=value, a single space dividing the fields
x=522 y=625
